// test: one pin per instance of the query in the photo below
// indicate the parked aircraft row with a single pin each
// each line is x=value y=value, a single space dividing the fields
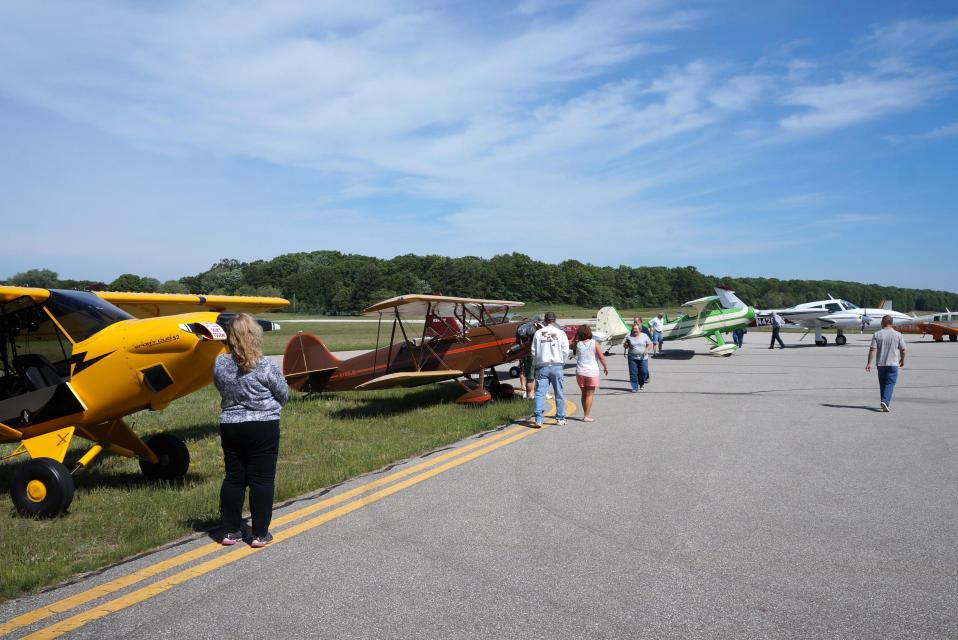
x=76 y=363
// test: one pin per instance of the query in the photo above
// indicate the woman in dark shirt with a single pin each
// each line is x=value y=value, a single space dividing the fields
x=253 y=391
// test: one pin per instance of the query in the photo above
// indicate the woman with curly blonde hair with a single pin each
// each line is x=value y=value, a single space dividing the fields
x=254 y=392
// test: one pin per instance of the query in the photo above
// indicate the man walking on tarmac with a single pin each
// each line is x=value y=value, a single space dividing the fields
x=889 y=346
x=550 y=348
x=777 y=323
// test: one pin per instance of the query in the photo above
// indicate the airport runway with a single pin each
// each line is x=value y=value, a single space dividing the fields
x=757 y=496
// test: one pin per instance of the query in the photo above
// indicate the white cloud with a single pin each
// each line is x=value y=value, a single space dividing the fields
x=857 y=99
x=938 y=133
x=913 y=36
x=740 y=92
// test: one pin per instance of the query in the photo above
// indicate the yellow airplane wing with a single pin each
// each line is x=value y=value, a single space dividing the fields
x=152 y=305
x=8 y=293
x=409 y=379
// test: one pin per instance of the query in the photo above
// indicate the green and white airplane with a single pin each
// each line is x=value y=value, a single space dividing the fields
x=707 y=317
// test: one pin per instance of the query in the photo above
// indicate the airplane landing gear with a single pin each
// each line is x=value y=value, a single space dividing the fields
x=513 y=372
x=840 y=339
x=953 y=338
x=173 y=454
x=822 y=341
x=42 y=488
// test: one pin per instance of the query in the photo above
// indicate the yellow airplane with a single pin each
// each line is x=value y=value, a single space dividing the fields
x=78 y=362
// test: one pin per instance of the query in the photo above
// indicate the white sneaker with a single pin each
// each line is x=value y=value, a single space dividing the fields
x=560 y=422
x=884 y=407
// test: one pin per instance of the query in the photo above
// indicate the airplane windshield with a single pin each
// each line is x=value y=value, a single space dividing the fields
x=82 y=314
x=848 y=305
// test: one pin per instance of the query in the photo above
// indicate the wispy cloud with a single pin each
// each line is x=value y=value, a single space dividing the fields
x=859 y=98
x=938 y=133
x=901 y=74
x=580 y=112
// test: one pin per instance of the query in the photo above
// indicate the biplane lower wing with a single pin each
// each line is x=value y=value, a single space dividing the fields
x=409 y=379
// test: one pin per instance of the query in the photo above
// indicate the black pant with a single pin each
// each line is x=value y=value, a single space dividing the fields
x=775 y=336
x=250 y=450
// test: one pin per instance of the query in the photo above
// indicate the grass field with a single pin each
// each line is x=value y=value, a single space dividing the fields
x=325 y=440
x=338 y=336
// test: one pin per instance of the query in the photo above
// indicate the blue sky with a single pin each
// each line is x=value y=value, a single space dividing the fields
x=783 y=139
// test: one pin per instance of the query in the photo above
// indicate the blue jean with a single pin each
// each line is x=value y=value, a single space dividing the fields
x=887 y=377
x=638 y=373
x=546 y=375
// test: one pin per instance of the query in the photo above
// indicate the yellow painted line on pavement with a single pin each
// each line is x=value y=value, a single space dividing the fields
x=64 y=605
x=145 y=593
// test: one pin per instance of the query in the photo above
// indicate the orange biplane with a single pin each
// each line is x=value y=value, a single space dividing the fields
x=77 y=362
x=460 y=336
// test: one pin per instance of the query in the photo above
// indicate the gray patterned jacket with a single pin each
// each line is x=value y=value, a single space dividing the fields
x=249 y=397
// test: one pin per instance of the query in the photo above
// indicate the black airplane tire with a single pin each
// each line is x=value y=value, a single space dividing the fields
x=42 y=488
x=822 y=342
x=502 y=391
x=173 y=454
x=953 y=338
x=840 y=340
x=513 y=372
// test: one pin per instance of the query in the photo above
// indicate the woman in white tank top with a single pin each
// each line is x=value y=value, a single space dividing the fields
x=589 y=356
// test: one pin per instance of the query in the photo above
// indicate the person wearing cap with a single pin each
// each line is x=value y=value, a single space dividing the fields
x=527 y=368
x=550 y=349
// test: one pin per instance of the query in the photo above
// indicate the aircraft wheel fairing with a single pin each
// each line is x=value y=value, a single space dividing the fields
x=42 y=488
x=173 y=454
x=840 y=340
x=478 y=396
x=723 y=350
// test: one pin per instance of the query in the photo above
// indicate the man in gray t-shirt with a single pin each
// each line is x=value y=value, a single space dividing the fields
x=889 y=347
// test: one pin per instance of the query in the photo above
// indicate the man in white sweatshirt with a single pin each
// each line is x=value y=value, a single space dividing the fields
x=550 y=348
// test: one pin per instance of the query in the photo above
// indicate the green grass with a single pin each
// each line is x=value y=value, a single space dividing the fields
x=324 y=440
x=338 y=336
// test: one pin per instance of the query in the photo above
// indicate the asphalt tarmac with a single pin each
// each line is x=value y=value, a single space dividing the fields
x=757 y=496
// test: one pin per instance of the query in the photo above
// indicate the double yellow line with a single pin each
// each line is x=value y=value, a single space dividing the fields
x=393 y=483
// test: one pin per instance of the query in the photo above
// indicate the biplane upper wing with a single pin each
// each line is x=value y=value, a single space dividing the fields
x=695 y=307
x=421 y=304
x=409 y=379
x=152 y=305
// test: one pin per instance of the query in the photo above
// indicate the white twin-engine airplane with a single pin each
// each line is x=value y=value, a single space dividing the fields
x=833 y=314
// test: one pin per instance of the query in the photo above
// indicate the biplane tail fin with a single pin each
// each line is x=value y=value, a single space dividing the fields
x=308 y=364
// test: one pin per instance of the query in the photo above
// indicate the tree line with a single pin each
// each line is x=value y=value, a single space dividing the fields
x=330 y=282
